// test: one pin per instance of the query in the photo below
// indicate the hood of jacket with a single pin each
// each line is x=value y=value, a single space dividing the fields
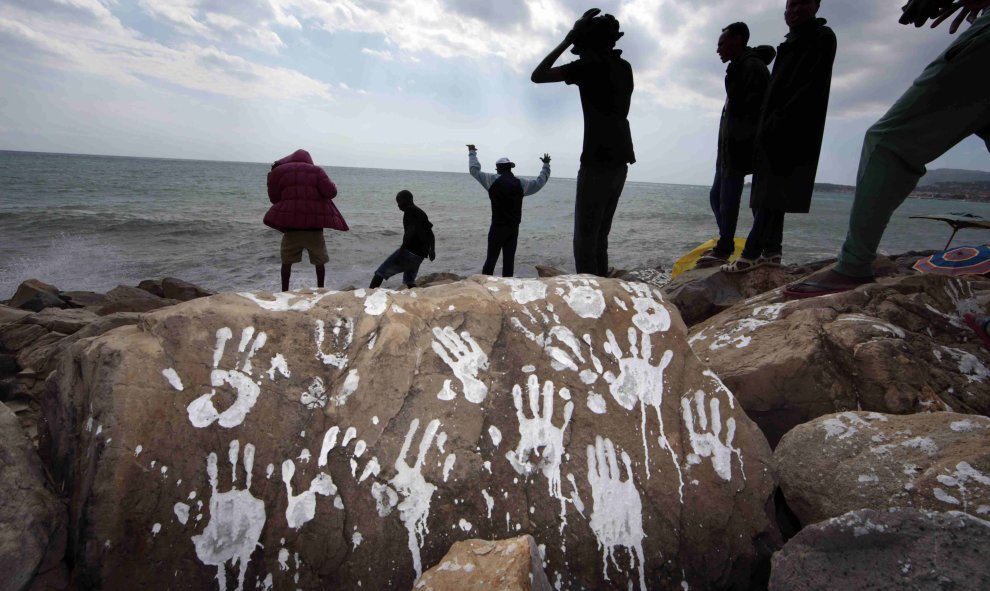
x=764 y=53
x=297 y=156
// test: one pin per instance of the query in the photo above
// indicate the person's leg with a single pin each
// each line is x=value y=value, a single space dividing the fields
x=612 y=183
x=376 y=281
x=494 y=247
x=715 y=198
x=321 y=274
x=587 y=220
x=947 y=103
x=390 y=267
x=757 y=235
x=730 y=195
x=773 y=244
x=286 y=274
x=411 y=263
x=509 y=251
x=317 y=249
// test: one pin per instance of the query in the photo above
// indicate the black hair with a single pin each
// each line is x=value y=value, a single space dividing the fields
x=405 y=195
x=738 y=30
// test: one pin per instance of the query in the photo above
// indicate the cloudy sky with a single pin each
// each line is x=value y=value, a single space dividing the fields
x=406 y=83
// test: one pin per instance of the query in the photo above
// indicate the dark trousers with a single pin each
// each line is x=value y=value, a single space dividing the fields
x=598 y=191
x=501 y=239
x=725 y=196
x=767 y=236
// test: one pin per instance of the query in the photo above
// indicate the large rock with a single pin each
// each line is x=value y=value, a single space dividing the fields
x=325 y=440
x=183 y=291
x=483 y=565
x=858 y=460
x=892 y=549
x=10 y=315
x=32 y=519
x=63 y=321
x=36 y=295
x=899 y=346
x=83 y=299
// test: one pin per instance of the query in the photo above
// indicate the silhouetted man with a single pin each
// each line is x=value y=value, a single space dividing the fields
x=746 y=81
x=417 y=244
x=789 y=138
x=949 y=102
x=605 y=81
x=506 y=192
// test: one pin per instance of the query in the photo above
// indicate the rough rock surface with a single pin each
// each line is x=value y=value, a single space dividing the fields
x=32 y=519
x=899 y=346
x=63 y=321
x=547 y=271
x=321 y=439
x=442 y=278
x=183 y=291
x=892 y=549
x=83 y=299
x=859 y=460
x=152 y=286
x=9 y=315
x=36 y=295
x=483 y=565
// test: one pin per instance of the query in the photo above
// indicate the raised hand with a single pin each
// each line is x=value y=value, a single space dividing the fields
x=919 y=12
x=969 y=10
x=582 y=22
x=471 y=148
x=545 y=159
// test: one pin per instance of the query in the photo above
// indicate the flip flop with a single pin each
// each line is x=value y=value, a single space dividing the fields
x=977 y=327
x=770 y=261
x=741 y=265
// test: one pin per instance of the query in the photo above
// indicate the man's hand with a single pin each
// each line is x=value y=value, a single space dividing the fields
x=581 y=23
x=545 y=159
x=433 y=256
x=471 y=148
x=970 y=10
x=919 y=12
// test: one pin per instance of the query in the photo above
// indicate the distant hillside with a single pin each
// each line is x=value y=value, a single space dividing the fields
x=954 y=176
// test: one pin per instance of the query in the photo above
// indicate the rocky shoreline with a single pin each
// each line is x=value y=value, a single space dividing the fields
x=561 y=432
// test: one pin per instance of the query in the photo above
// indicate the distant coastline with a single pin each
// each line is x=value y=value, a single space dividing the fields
x=944 y=191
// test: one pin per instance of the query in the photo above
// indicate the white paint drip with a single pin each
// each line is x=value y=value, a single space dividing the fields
x=301 y=508
x=376 y=303
x=528 y=368
x=181 y=511
x=278 y=365
x=343 y=335
x=156 y=529
x=489 y=502
x=329 y=442
x=448 y=465
x=465 y=526
x=173 y=379
x=287 y=301
x=969 y=365
x=495 y=434
x=596 y=403
x=416 y=492
x=465 y=358
x=356 y=539
x=236 y=521
x=617 y=509
x=963 y=479
x=137 y=450
x=349 y=436
x=372 y=468
x=202 y=413
x=349 y=387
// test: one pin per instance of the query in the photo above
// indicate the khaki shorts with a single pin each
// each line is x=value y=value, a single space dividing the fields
x=295 y=241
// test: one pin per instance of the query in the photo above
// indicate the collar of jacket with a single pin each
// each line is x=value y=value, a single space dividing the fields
x=803 y=30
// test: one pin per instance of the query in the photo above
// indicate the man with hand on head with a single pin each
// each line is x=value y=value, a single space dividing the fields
x=605 y=81
x=506 y=192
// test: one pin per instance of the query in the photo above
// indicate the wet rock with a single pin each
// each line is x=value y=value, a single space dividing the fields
x=351 y=438
x=183 y=291
x=32 y=519
x=36 y=295
x=63 y=321
x=483 y=565
x=859 y=460
x=892 y=549
x=899 y=346
x=152 y=286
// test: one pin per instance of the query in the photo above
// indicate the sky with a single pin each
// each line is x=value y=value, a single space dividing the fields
x=405 y=84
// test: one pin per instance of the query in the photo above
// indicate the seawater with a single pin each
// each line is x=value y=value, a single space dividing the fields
x=94 y=222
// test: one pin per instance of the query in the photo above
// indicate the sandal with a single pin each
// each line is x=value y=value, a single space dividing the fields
x=978 y=328
x=741 y=265
x=770 y=261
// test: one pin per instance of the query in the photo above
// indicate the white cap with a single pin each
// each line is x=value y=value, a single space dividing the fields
x=502 y=161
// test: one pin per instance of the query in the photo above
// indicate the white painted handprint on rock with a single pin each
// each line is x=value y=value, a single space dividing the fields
x=236 y=519
x=651 y=315
x=466 y=358
x=617 y=511
x=342 y=335
x=538 y=435
x=301 y=508
x=706 y=435
x=202 y=412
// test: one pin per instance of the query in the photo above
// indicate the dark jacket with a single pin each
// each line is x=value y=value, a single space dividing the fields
x=746 y=81
x=789 y=139
x=506 y=195
x=606 y=85
x=300 y=193
x=417 y=237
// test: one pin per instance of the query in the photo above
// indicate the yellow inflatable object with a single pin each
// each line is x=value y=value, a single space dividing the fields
x=688 y=261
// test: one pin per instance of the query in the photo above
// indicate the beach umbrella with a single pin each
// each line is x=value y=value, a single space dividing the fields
x=962 y=260
x=957 y=221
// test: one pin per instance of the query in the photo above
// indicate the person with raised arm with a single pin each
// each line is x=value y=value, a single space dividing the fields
x=605 y=82
x=506 y=192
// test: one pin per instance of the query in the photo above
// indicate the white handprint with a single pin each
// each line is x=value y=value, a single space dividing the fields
x=202 y=412
x=538 y=435
x=463 y=355
x=706 y=438
x=343 y=334
x=236 y=520
x=416 y=492
x=583 y=297
x=651 y=315
x=301 y=508
x=617 y=511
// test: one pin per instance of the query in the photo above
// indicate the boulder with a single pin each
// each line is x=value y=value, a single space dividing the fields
x=152 y=286
x=83 y=299
x=42 y=354
x=317 y=439
x=14 y=337
x=32 y=519
x=177 y=289
x=136 y=305
x=860 y=460
x=899 y=346
x=892 y=549
x=10 y=315
x=483 y=565
x=547 y=271
x=63 y=321
x=431 y=279
x=126 y=293
x=36 y=295
x=656 y=277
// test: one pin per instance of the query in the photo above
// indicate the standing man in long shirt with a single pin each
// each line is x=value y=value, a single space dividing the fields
x=606 y=84
x=789 y=138
x=506 y=192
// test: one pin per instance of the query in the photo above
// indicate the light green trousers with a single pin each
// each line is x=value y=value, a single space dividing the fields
x=949 y=102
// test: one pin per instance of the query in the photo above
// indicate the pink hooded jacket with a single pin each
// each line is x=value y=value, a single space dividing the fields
x=301 y=192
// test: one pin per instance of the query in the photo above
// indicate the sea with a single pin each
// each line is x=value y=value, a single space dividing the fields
x=94 y=222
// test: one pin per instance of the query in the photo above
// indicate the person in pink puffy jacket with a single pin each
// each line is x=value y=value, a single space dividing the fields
x=301 y=194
